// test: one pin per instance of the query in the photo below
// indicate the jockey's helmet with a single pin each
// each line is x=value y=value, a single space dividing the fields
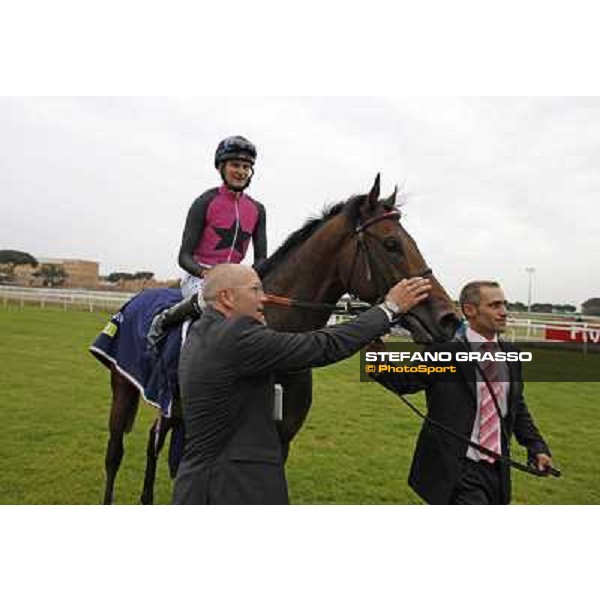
x=235 y=147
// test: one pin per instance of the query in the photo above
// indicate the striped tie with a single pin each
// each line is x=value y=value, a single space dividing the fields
x=489 y=421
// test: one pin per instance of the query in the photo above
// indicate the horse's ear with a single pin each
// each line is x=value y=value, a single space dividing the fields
x=391 y=201
x=373 y=197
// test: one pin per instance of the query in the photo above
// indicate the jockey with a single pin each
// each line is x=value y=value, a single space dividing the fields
x=218 y=229
x=221 y=222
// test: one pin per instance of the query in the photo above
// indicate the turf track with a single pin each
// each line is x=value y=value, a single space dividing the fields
x=355 y=447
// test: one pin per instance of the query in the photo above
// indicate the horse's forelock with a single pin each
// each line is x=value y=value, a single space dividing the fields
x=352 y=207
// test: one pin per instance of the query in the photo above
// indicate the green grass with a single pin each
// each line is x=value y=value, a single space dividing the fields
x=355 y=447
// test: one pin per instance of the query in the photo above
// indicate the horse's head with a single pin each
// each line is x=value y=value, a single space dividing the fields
x=379 y=253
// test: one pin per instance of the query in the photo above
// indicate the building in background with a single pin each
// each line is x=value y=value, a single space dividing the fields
x=76 y=273
x=58 y=272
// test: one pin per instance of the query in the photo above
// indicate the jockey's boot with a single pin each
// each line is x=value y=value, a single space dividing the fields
x=170 y=317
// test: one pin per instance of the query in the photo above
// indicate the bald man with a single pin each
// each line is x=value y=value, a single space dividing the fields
x=232 y=449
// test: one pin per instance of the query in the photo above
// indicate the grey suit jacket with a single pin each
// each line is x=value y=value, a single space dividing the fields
x=232 y=451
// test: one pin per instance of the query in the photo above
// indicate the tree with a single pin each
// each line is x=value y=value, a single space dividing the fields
x=51 y=275
x=143 y=275
x=16 y=257
x=517 y=306
x=565 y=308
x=9 y=259
x=541 y=307
x=591 y=307
x=121 y=276
x=118 y=276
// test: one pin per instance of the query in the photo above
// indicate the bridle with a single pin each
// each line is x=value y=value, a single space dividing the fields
x=382 y=281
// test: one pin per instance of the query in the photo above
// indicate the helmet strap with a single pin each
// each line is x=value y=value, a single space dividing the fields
x=222 y=172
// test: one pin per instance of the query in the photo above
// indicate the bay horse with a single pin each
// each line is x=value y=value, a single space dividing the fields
x=358 y=246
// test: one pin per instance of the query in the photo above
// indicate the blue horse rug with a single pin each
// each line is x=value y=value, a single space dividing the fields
x=122 y=343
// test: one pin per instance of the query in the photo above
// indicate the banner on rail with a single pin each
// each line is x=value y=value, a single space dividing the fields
x=575 y=334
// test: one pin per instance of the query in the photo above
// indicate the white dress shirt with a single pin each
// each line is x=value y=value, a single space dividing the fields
x=476 y=339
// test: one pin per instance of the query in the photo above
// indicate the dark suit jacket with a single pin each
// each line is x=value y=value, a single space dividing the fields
x=232 y=451
x=436 y=464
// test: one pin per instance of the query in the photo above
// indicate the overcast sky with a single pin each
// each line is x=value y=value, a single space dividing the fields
x=496 y=184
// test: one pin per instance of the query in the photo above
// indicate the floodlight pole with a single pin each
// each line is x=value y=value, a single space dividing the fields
x=530 y=271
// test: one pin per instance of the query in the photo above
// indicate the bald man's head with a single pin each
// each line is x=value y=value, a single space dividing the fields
x=234 y=290
x=223 y=277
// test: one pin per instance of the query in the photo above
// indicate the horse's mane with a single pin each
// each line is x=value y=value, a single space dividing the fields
x=298 y=237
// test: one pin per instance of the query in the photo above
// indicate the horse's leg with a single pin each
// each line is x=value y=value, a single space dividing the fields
x=297 y=400
x=176 y=445
x=122 y=415
x=156 y=439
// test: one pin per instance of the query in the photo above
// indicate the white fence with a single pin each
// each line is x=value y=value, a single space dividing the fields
x=534 y=327
x=586 y=333
x=64 y=298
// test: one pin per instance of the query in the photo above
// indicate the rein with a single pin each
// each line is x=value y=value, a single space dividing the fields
x=529 y=468
x=285 y=302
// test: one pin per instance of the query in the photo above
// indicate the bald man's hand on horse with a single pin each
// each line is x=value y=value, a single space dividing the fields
x=408 y=293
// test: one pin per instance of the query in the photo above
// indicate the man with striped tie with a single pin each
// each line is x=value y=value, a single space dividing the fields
x=445 y=468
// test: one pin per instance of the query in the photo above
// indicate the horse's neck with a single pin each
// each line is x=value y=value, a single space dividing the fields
x=310 y=275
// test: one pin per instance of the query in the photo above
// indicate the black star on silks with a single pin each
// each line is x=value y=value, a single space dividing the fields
x=227 y=236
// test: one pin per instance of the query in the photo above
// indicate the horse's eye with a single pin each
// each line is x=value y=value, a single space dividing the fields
x=392 y=245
